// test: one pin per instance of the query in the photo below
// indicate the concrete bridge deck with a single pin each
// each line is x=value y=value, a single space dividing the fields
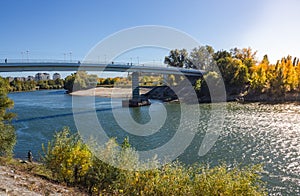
x=60 y=66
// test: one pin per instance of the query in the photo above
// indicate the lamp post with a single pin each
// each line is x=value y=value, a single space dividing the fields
x=27 y=53
x=22 y=54
x=71 y=57
x=138 y=60
x=65 y=57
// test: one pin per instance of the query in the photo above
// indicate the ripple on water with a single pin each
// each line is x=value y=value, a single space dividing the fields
x=268 y=135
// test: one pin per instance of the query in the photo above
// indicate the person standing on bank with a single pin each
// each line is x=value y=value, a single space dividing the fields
x=29 y=155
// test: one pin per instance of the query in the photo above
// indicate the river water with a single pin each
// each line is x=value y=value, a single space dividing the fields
x=251 y=134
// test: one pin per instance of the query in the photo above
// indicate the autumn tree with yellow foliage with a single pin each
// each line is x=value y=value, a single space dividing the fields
x=67 y=157
x=276 y=79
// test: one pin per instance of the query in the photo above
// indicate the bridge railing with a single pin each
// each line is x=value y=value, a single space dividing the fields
x=53 y=61
x=36 y=61
x=148 y=64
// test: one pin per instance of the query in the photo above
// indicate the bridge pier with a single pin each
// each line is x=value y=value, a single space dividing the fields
x=135 y=86
x=136 y=100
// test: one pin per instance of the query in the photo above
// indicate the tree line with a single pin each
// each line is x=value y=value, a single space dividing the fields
x=30 y=85
x=240 y=70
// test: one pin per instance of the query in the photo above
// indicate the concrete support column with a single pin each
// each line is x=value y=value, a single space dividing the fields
x=165 y=79
x=135 y=86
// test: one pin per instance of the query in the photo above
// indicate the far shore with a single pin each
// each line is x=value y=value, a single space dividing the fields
x=116 y=92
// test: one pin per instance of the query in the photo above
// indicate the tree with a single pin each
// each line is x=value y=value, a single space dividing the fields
x=259 y=78
x=233 y=71
x=290 y=78
x=178 y=58
x=7 y=132
x=69 y=82
x=276 y=80
x=67 y=157
x=246 y=55
x=265 y=60
x=80 y=80
x=221 y=54
x=212 y=78
x=202 y=58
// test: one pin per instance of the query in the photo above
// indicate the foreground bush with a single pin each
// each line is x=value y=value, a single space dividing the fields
x=67 y=157
x=114 y=171
x=177 y=179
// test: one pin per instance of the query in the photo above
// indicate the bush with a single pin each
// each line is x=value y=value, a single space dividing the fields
x=7 y=140
x=171 y=179
x=67 y=157
x=114 y=171
x=178 y=179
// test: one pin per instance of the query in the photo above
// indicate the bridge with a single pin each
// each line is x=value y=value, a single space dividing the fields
x=15 y=66
x=75 y=66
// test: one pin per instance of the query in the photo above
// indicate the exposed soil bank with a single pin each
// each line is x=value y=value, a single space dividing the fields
x=16 y=182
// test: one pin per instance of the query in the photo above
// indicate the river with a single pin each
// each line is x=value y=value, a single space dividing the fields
x=252 y=133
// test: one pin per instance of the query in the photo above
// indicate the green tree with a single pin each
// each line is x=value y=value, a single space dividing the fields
x=80 y=80
x=276 y=78
x=7 y=132
x=16 y=85
x=234 y=72
x=202 y=58
x=43 y=84
x=69 y=82
x=221 y=54
x=178 y=58
x=59 y=82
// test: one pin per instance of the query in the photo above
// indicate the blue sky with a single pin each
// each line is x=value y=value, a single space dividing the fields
x=48 y=29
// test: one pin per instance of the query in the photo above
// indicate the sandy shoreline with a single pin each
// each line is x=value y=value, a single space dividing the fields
x=115 y=92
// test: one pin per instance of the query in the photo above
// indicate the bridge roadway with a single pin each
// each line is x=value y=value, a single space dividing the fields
x=116 y=67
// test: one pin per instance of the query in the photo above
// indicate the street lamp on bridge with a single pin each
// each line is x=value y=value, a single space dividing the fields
x=27 y=54
x=22 y=54
x=70 y=57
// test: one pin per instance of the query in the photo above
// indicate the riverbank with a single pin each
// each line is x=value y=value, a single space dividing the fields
x=166 y=94
x=115 y=92
x=272 y=99
x=20 y=178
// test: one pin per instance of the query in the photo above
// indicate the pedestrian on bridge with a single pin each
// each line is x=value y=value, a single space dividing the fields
x=5 y=60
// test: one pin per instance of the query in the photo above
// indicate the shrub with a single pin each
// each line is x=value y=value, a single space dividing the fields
x=178 y=179
x=115 y=171
x=67 y=157
x=171 y=179
x=7 y=140
x=110 y=164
